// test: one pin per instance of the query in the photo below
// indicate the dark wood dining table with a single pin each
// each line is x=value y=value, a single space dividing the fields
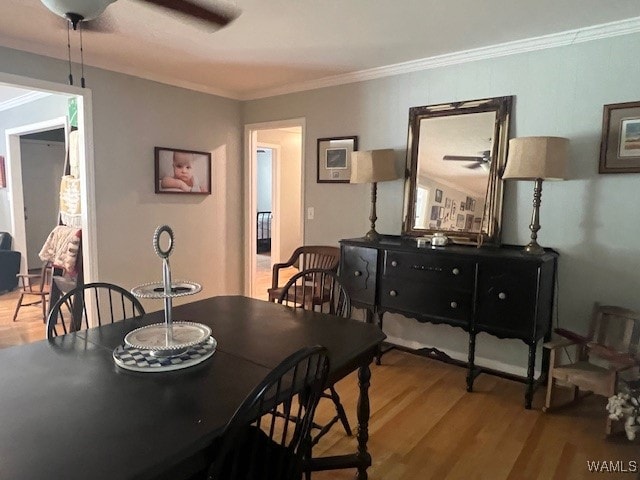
x=68 y=412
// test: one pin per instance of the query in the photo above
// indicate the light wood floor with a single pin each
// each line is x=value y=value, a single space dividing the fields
x=264 y=273
x=27 y=328
x=424 y=425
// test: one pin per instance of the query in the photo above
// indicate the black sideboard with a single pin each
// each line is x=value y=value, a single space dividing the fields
x=498 y=290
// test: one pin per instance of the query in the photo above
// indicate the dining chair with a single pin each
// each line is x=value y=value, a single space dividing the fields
x=102 y=302
x=321 y=291
x=304 y=258
x=262 y=441
x=610 y=349
x=36 y=286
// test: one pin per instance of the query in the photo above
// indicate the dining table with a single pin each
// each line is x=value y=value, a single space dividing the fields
x=67 y=411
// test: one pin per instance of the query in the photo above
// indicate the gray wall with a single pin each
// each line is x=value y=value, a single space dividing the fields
x=130 y=117
x=591 y=219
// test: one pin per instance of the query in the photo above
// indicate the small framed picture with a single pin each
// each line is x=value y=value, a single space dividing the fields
x=182 y=171
x=460 y=221
x=447 y=203
x=440 y=213
x=438 y=195
x=334 y=159
x=3 y=175
x=468 y=224
x=435 y=210
x=472 y=205
x=620 y=144
x=462 y=205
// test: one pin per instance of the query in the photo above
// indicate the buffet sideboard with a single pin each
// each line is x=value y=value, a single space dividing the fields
x=498 y=290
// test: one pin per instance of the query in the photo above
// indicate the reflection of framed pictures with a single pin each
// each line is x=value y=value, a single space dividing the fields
x=447 y=203
x=620 y=144
x=438 y=195
x=334 y=159
x=462 y=206
x=434 y=212
x=460 y=221
x=182 y=171
x=440 y=213
x=468 y=224
x=472 y=205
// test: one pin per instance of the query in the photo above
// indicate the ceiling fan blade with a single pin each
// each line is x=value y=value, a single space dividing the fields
x=218 y=15
x=463 y=158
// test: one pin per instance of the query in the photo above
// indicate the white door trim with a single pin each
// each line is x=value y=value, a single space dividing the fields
x=250 y=147
x=87 y=176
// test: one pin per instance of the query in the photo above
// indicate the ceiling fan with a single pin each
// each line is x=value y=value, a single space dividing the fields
x=219 y=13
x=479 y=161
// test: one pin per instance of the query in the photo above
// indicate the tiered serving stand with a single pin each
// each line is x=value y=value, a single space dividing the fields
x=167 y=346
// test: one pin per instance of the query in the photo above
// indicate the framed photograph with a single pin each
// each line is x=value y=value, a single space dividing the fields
x=435 y=210
x=468 y=224
x=438 y=195
x=3 y=175
x=462 y=206
x=334 y=159
x=440 y=213
x=620 y=144
x=182 y=171
x=472 y=205
x=447 y=203
x=460 y=221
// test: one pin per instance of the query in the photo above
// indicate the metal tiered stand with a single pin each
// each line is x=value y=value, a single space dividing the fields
x=162 y=347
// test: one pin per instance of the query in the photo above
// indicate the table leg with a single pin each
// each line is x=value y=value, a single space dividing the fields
x=528 y=397
x=364 y=377
x=471 y=373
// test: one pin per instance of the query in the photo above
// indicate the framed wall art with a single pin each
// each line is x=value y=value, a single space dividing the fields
x=182 y=171
x=334 y=159
x=620 y=144
x=3 y=175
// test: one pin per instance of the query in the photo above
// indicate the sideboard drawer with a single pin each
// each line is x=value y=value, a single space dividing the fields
x=427 y=268
x=358 y=267
x=507 y=299
x=439 y=303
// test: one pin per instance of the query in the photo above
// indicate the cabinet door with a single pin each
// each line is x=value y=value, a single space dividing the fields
x=507 y=303
x=358 y=267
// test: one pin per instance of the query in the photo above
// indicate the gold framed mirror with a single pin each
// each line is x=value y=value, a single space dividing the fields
x=456 y=153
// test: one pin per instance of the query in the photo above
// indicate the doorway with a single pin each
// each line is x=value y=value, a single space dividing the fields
x=274 y=225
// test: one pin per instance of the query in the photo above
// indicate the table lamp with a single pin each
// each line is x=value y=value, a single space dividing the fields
x=537 y=159
x=373 y=166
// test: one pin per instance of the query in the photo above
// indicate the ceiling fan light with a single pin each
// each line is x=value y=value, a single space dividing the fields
x=88 y=9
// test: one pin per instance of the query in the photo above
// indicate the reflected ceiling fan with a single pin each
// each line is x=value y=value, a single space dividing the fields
x=78 y=12
x=482 y=161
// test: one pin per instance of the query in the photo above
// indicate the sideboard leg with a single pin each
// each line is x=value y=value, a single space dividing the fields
x=364 y=411
x=528 y=397
x=471 y=374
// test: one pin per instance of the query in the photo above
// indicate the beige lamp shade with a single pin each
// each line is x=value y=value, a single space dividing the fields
x=373 y=166
x=531 y=158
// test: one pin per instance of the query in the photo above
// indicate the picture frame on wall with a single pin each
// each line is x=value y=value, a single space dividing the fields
x=334 y=159
x=620 y=143
x=186 y=172
x=438 y=195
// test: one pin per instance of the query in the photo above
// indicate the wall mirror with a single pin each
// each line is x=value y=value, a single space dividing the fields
x=456 y=154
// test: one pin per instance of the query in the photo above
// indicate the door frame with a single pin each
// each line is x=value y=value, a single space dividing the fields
x=86 y=159
x=14 y=163
x=275 y=198
x=250 y=198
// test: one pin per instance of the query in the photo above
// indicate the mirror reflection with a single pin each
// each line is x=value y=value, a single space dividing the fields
x=456 y=154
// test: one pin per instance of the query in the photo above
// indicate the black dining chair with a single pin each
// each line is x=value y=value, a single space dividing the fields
x=268 y=437
x=104 y=302
x=304 y=290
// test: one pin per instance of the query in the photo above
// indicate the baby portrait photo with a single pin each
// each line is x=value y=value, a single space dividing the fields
x=182 y=171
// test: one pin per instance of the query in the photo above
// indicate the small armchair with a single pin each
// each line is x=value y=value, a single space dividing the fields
x=304 y=258
x=36 y=287
x=608 y=351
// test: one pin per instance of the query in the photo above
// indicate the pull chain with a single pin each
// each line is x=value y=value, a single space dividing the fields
x=81 y=59
x=69 y=51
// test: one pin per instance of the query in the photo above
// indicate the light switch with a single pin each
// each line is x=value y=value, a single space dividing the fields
x=310 y=213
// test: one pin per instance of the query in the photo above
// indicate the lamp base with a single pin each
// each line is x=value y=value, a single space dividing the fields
x=372 y=235
x=532 y=248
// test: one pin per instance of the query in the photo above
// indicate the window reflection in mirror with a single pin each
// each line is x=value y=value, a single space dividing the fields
x=456 y=153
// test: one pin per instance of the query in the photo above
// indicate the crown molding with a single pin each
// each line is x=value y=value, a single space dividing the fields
x=22 y=99
x=569 y=37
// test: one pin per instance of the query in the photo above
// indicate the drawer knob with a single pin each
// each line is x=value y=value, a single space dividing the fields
x=394 y=263
x=456 y=271
x=502 y=295
x=393 y=293
x=454 y=304
x=357 y=273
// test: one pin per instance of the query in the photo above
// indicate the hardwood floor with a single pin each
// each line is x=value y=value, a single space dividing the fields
x=263 y=275
x=425 y=425
x=27 y=328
